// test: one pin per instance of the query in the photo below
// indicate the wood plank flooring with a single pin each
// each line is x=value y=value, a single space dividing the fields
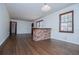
x=24 y=45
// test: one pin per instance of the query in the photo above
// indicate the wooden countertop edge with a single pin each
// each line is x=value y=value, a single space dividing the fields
x=41 y=28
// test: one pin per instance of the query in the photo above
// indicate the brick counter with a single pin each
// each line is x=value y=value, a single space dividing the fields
x=41 y=34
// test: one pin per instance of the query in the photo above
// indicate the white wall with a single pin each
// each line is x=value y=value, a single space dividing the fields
x=4 y=23
x=23 y=27
x=52 y=21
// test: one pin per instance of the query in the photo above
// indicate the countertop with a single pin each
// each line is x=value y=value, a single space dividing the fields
x=41 y=28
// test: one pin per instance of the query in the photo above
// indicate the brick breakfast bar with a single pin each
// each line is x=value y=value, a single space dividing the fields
x=41 y=34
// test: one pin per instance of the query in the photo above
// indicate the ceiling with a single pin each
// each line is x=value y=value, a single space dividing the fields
x=32 y=11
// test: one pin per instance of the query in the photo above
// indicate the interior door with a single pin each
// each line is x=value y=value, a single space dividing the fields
x=13 y=28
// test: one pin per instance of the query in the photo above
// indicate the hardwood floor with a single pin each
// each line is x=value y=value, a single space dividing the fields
x=24 y=45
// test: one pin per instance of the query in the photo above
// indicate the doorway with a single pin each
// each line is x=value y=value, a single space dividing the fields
x=32 y=28
x=13 y=28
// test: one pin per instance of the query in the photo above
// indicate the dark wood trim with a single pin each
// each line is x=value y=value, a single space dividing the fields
x=32 y=28
x=11 y=27
x=32 y=25
x=72 y=22
x=16 y=28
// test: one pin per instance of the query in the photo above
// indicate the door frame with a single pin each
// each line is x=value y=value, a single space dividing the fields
x=11 y=27
x=32 y=25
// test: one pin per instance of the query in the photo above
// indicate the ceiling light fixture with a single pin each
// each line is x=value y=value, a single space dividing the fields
x=45 y=7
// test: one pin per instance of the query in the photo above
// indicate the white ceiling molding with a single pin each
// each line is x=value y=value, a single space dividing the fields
x=22 y=19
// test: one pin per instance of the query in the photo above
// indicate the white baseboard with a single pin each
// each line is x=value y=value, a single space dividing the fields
x=66 y=41
x=3 y=38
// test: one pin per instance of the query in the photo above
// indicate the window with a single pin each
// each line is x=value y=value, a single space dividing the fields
x=66 y=22
x=39 y=24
